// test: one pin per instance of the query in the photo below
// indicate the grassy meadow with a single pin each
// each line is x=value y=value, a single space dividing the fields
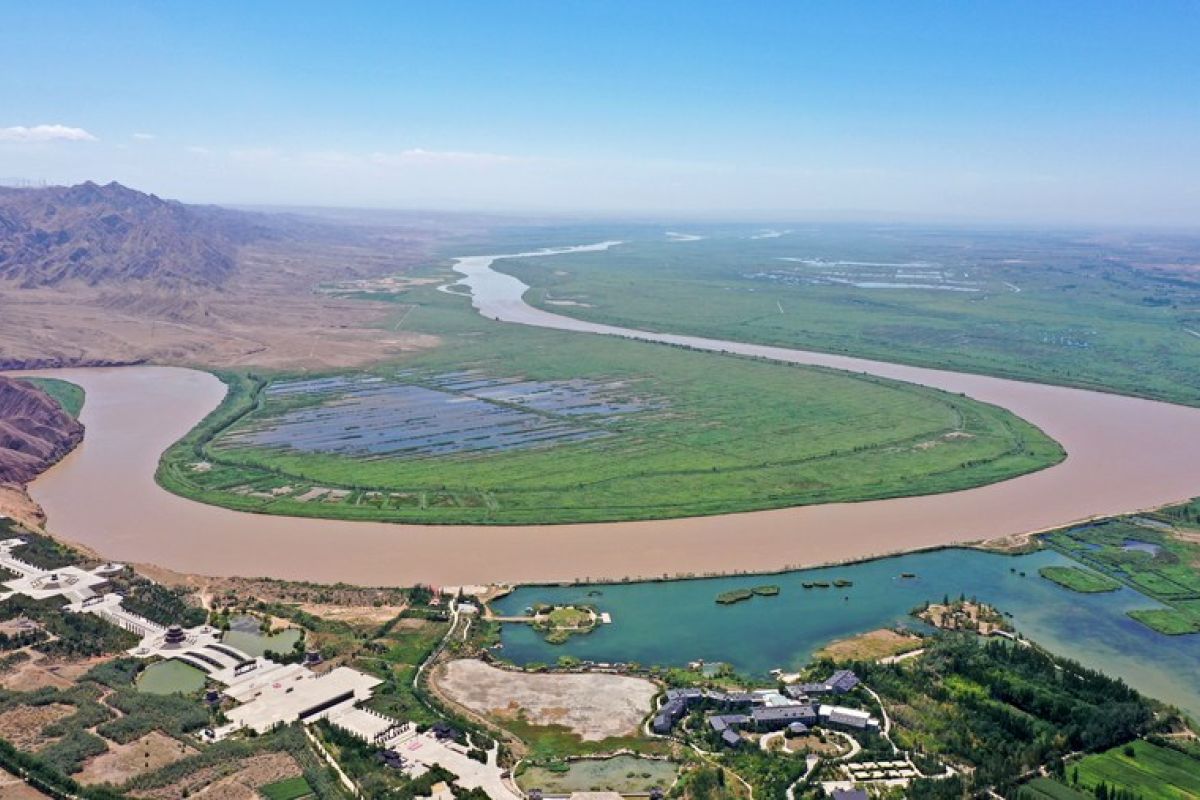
x=1117 y=312
x=721 y=434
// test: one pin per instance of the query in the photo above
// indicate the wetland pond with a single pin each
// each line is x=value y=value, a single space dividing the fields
x=673 y=623
x=623 y=773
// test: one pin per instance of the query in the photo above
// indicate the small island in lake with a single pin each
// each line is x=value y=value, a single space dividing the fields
x=738 y=595
x=557 y=624
x=965 y=615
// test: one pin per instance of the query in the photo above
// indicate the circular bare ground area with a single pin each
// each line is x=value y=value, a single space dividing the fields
x=592 y=706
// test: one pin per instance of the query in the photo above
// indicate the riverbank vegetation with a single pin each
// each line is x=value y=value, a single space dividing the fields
x=1060 y=308
x=1157 y=555
x=507 y=424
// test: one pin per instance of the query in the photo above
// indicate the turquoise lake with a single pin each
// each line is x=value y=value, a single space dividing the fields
x=672 y=623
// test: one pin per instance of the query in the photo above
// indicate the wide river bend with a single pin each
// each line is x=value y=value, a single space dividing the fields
x=1124 y=454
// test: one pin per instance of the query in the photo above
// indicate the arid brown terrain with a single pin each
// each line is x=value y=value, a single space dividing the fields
x=35 y=432
x=105 y=274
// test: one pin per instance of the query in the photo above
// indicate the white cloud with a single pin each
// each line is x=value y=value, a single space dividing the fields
x=45 y=133
x=419 y=155
x=144 y=137
x=254 y=154
x=198 y=150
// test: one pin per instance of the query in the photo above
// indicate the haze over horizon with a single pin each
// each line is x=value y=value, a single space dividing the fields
x=1016 y=113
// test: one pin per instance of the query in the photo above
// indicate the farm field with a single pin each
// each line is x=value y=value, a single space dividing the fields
x=506 y=424
x=1047 y=789
x=287 y=789
x=1118 y=312
x=1150 y=771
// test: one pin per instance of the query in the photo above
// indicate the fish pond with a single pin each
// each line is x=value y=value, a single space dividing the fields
x=673 y=623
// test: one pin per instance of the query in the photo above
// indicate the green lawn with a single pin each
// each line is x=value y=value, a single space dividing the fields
x=288 y=789
x=1153 y=772
x=719 y=434
x=1080 y=580
x=66 y=394
x=1062 y=308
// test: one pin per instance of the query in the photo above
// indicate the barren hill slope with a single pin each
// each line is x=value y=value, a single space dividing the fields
x=35 y=432
x=94 y=274
x=98 y=235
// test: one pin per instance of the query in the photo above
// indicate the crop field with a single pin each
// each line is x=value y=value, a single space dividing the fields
x=1116 y=312
x=1047 y=789
x=1147 y=554
x=1150 y=771
x=287 y=789
x=507 y=424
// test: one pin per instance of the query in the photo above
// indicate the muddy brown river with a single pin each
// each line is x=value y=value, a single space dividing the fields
x=1124 y=454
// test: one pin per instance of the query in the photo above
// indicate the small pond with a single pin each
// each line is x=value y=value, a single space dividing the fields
x=245 y=635
x=170 y=677
x=623 y=774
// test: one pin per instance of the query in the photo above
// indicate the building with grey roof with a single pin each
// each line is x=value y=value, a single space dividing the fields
x=849 y=794
x=796 y=692
x=842 y=681
x=847 y=717
x=779 y=717
x=839 y=682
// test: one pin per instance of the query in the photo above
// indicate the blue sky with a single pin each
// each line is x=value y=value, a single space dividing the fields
x=1005 y=111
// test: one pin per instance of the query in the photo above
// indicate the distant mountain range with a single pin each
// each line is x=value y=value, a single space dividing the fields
x=109 y=235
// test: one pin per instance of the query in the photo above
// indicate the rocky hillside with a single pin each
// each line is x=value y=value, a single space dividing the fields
x=34 y=431
x=112 y=235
